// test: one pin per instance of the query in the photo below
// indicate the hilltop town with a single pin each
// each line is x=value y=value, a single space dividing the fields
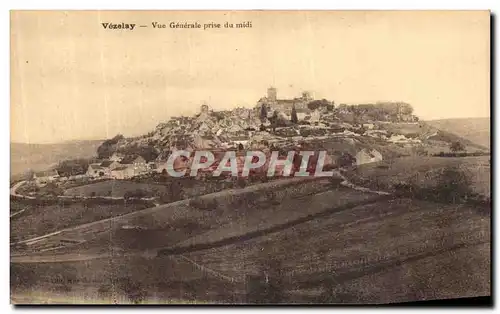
x=353 y=134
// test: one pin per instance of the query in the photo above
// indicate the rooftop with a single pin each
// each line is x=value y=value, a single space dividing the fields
x=48 y=173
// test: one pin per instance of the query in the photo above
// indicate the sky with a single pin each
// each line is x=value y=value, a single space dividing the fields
x=72 y=79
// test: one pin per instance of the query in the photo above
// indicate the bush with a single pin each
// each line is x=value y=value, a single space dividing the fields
x=457 y=146
x=412 y=135
x=461 y=154
x=453 y=185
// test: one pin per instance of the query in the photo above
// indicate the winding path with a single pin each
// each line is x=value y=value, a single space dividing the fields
x=13 y=190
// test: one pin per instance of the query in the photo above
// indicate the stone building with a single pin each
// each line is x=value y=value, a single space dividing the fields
x=284 y=105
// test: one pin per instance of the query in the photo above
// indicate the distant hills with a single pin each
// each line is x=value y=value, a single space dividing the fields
x=477 y=130
x=42 y=156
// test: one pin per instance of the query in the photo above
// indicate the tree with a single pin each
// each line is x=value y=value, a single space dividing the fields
x=330 y=107
x=274 y=120
x=313 y=105
x=294 y=119
x=316 y=104
x=453 y=185
x=457 y=147
x=263 y=113
x=72 y=167
x=107 y=148
x=346 y=160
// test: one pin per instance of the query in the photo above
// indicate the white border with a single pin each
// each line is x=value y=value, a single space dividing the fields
x=199 y=5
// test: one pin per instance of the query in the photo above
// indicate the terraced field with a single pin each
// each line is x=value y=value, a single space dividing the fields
x=349 y=245
x=170 y=224
x=37 y=220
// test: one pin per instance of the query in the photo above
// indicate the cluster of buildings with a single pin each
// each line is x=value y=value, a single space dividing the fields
x=120 y=167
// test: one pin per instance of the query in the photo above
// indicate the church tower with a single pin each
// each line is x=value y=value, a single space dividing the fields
x=271 y=94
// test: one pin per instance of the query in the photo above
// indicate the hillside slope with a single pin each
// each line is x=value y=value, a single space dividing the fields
x=476 y=130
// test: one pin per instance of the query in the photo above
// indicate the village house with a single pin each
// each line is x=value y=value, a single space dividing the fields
x=315 y=116
x=77 y=177
x=137 y=163
x=366 y=156
x=302 y=113
x=95 y=170
x=116 y=157
x=42 y=177
x=151 y=166
x=208 y=141
x=111 y=164
x=122 y=172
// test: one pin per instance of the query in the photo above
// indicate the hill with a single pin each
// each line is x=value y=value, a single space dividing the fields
x=36 y=157
x=225 y=128
x=423 y=171
x=476 y=130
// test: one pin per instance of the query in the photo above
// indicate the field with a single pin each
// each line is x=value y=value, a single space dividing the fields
x=350 y=245
x=161 y=280
x=114 y=188
x=40 y=219
x=405 y=169
x=388 y=251
x=166 y=225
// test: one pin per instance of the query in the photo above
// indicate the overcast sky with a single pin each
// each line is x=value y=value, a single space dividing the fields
x=73 y=79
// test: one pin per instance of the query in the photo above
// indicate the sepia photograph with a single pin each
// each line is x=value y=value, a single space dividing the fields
x=250 y=157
